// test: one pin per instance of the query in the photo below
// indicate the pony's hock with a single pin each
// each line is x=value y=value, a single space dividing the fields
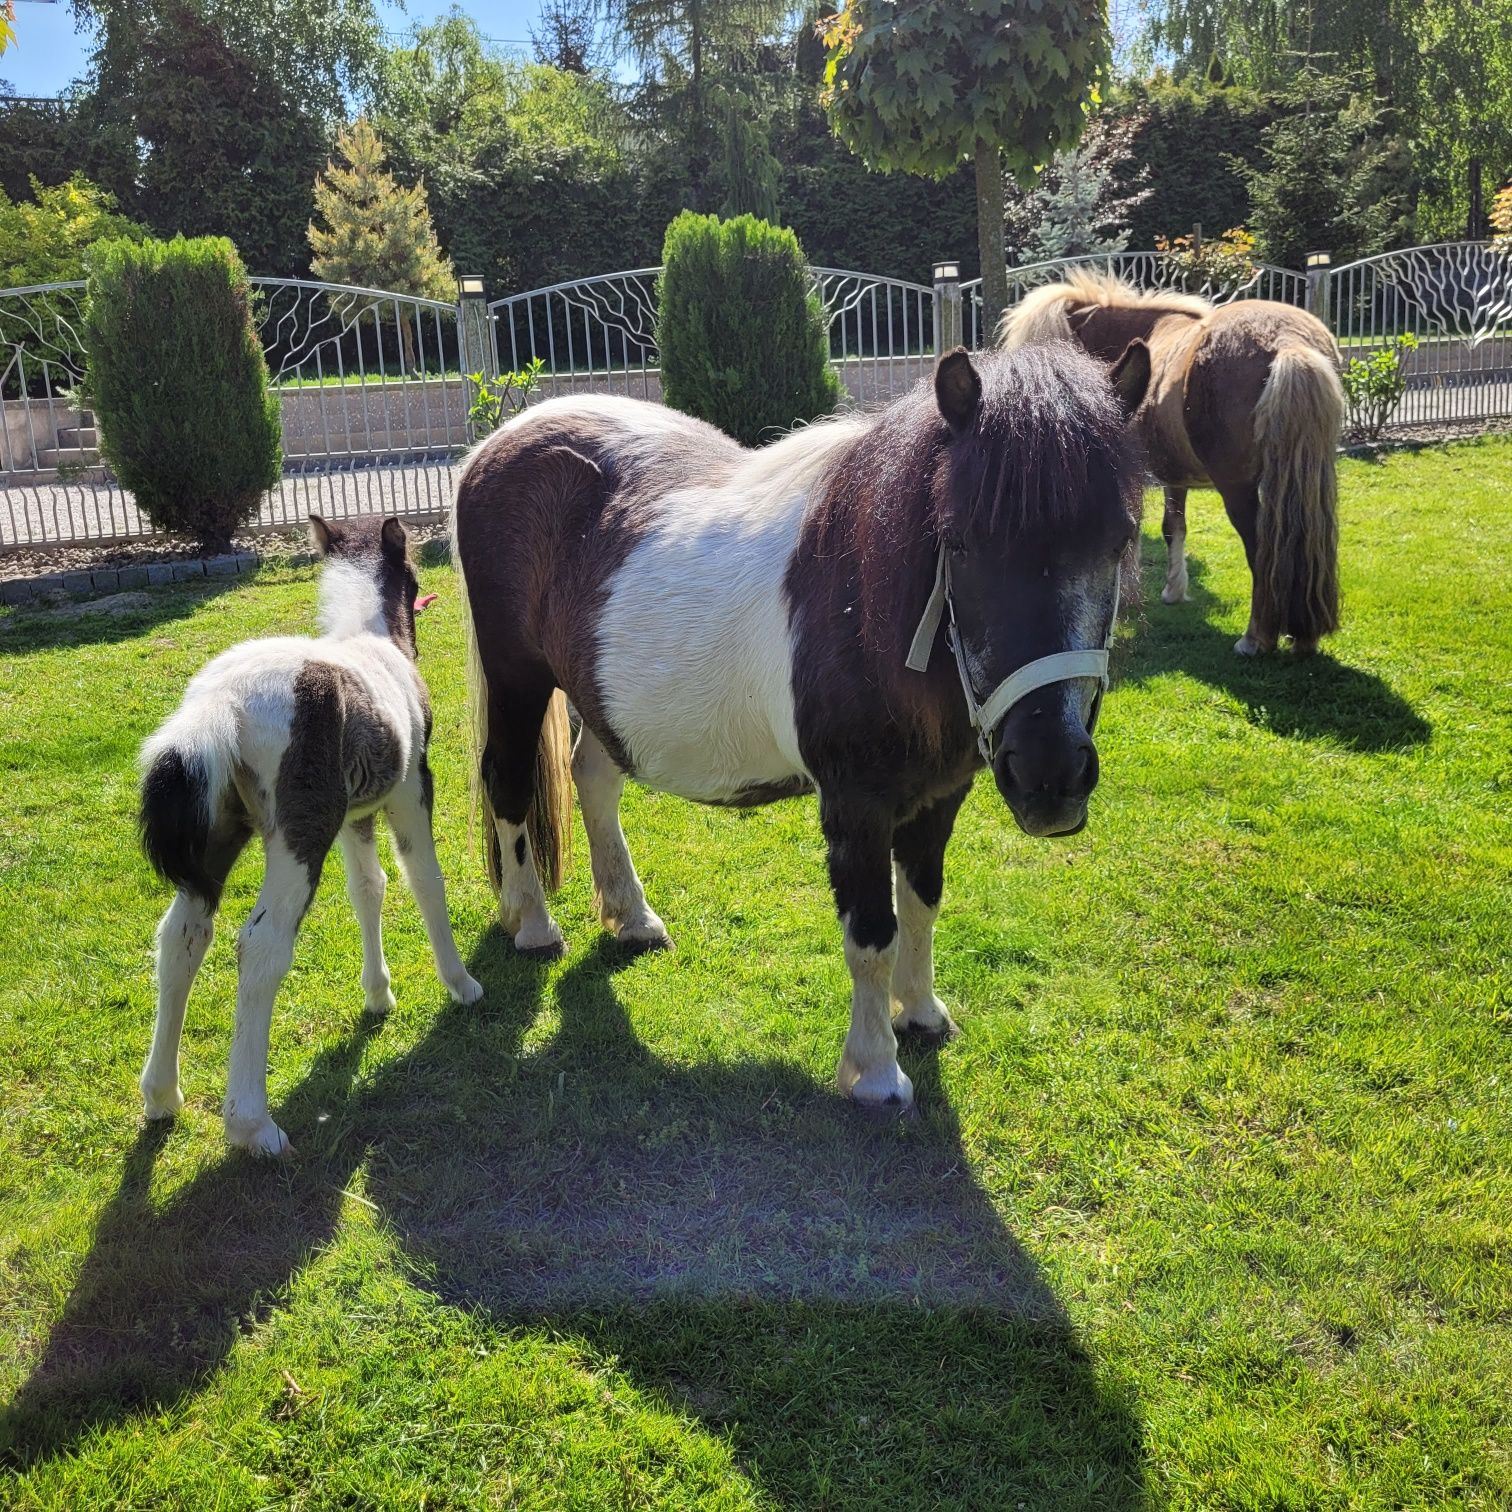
x=736 y=627
x=302 y=741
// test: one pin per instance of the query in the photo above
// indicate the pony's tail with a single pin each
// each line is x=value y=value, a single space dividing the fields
x=549 y=820
x=186 y=771
x=1297 y=422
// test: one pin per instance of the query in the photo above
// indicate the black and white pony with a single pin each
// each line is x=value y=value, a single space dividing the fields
x=737 y=626
x=301 y=741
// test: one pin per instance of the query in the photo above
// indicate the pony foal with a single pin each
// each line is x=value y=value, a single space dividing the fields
x=302 y=741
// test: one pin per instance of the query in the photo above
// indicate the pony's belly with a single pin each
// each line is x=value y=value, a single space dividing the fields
x=694 y=660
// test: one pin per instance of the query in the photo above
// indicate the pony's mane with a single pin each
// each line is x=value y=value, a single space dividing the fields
x=1042 y=315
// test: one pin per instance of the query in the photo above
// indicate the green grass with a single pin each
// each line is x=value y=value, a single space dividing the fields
x=1207 y=1208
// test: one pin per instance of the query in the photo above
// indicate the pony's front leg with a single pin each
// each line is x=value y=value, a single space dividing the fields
x=1173 y=528
x=409 y=816
x=366 y=885
x=858 y=837
x=265 y=950
x=919 y=864
x=618 y=894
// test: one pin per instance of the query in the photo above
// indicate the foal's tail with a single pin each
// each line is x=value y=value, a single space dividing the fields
x=186 y=772
x=1297 y=423
x=548 y=821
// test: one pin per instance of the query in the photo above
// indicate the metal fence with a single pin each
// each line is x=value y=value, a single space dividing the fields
x=598 y=335
x=369 y=384
x=1145 y=270
x=374 y=392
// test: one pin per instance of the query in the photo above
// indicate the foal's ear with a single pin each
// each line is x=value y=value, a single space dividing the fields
x=394 y=539
x=1131 y=377
x=323 y=535
x=958 y=389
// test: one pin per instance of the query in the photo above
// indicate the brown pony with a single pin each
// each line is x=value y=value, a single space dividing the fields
x=1244 y=397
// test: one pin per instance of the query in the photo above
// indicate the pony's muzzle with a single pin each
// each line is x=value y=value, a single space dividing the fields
x=1046 y=767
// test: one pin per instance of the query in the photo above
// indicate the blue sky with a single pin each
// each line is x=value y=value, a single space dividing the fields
x=50 y=53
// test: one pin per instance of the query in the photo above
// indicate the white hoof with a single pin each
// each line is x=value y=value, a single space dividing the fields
x=539 y=937
x=465 y=990
x=929 y=1017
x=1247 y=645
x=161 y=1102
x=380 y=1004
x=258 y=1136
x=879 y=1086
x=1170 y=595
x=644 y=929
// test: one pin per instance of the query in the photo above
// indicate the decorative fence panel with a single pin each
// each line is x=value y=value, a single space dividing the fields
x=1145 y=270
x=1455 y=299
x=598 y=335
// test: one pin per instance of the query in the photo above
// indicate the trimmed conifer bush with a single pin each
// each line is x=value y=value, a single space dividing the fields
x=743 y=339
x=178 y=383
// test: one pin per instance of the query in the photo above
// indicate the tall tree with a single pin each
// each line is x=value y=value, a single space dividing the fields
x=567 y=36
x=377 y=234
x=928 y=85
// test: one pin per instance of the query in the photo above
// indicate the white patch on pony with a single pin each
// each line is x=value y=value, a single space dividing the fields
x=913 y=975
x=869 y=1070
x=349 y=601
x=1175 y=590
x=694 y=644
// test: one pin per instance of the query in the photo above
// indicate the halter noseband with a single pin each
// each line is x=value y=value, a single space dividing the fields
x=986 y=716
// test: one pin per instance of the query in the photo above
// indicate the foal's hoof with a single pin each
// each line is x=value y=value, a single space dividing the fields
x=467 y=991
x=161 y=1102
x=258 y=1136
x=884 y=1086
x=380 y=1005
x=1174 y=596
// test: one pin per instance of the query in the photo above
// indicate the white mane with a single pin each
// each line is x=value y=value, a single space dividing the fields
x=1044 y=314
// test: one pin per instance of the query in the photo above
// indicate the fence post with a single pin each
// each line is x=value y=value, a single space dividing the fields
x=1318 y=285
x=475 y=353
x=947 y=307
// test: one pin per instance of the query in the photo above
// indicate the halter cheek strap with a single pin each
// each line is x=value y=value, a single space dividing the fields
x=1060 y=666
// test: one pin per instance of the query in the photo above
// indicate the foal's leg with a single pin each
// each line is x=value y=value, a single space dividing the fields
x=366 y=885
x=514 y=729
x=620 y=898
x=919 y=867
x=409 y=815
x=858 y=837
x=1173 y=528
x=183 y=937
x=265 y=949
x=1242 y=504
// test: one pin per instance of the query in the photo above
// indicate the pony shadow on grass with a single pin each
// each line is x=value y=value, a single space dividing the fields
x=835 y=1296
x=1312 y=697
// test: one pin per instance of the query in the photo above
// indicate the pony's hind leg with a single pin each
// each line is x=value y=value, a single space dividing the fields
x=265 y=950
x=858 y=839
x=508 y=768
x=919 y=868
x=1242 y=505
x=1173 y=528
x=618 y=894
x=183 y=937
x=366 y=885
x=409 y=816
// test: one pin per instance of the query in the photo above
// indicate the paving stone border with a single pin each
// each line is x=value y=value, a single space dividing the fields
x=52 y=585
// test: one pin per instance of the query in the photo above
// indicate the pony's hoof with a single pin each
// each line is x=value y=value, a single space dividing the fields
x=1247 y=645
x=540 y=939
x=161 y=1102
x=380 y=1005
x=258 y=1136
x=925 y=1023
x=642 y=935
x=884 y=1086
x=465 y=991
x=1304 y=648
x=1174 y=596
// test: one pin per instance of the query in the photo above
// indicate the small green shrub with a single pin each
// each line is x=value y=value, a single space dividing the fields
x=495 y=400
x=1374 y=388
x=178 y=383
x=743 y=339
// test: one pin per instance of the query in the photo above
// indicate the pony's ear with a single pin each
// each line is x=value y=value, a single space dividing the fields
x=324 y=537
x=1131 y=377
x=958 y=389
x=394 y=539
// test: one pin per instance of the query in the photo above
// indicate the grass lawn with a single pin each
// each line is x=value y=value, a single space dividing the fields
x=1208 y=1207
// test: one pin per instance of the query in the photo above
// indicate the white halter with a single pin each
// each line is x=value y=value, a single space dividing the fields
x=988 y=715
